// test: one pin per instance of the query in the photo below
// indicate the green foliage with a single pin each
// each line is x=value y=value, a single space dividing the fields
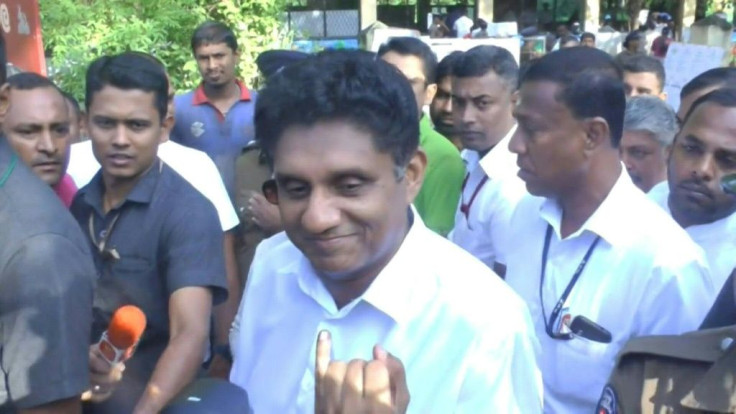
x=77 y=31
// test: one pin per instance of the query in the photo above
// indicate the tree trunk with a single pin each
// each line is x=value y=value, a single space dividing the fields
x=701 y=7
x=633 y=7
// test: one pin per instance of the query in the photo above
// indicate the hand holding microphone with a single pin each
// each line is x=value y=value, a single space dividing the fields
x=116 y=345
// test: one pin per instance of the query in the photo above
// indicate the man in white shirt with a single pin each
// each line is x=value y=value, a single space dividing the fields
x=650 y=126
x=200 y=171
x=357 y=268
x=463 y=24
x=483 y=99
x=703 y=153
x=591 y=255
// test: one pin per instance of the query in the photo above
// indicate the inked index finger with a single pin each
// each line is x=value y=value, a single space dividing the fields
x=322 y=357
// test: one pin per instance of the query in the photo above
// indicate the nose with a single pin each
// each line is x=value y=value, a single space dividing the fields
x=516 y=143
x=120 y=137
x=211 y=63
x=703 y=168
x=446 y=106
x=321 y=214
x=626 y=160
x=45 y=143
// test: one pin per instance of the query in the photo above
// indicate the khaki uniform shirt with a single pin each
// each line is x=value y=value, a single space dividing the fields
x=250 y=174
x=690 y=373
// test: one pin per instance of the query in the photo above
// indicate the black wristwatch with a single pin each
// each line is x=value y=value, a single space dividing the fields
x=223 y=351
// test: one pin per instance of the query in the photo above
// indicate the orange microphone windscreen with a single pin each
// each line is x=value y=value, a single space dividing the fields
x=126 y=327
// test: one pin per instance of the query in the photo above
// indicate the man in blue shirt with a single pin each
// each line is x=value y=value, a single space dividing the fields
x=217 y=117
x=156 y=241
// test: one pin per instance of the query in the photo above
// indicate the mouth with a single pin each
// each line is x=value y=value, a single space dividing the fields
x=327 y=244
x=120 y=160
x=47 y=166
x=696 y=193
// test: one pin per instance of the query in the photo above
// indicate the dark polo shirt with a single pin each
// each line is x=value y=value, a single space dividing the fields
x=46 y=282
x=166 y=236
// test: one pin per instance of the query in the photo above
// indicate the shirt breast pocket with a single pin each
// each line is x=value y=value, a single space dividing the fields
x=126 y=281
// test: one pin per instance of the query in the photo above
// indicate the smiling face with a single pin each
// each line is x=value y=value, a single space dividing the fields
x=703 y=153
x=216 y=63
x=644 y=157
x=37 y=126
x=340 y=201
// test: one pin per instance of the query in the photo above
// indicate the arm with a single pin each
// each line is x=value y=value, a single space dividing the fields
x=189 y=312
x=46 y=317
x=225 y=313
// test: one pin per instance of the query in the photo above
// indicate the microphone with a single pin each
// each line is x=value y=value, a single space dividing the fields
x=118 y=342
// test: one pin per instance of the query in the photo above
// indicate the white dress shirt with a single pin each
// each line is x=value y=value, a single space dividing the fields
x=193 y=165
x=645 y=277
x=718 y=239
x=482 y=230
x=465 y=339
x=462 y=26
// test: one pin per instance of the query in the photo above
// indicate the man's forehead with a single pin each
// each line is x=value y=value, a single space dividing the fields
x=34 y=101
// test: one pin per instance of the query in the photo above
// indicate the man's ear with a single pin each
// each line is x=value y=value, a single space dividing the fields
x=4 y=102
x=166 y=125
x=597 y=133
x=414 y=174
x=429 y=93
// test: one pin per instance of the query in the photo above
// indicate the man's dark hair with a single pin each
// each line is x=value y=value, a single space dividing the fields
x=3 y=60
x=587 y=35
x=75 y=103
x=725 y=97
x=713 y=78
x=411 y=46
x=590 y=83
x=348 y=86
x=444 y=68
x=27 y=81
x=480 y=60
x=644 y=64
x=128 y=71
x=213 y=33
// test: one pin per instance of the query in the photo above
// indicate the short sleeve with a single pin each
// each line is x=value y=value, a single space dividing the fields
x=194 y=253
x=46 y=317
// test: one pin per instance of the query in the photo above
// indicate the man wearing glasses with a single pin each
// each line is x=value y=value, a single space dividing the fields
x=596 y=261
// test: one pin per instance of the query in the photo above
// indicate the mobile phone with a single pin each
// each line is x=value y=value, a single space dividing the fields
x=585 y=328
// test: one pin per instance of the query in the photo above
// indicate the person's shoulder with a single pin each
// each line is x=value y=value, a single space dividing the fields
x=436 y=145
x=179 y=199
x=274 y=256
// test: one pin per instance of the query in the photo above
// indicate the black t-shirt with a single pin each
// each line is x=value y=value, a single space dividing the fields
x=46 y=283
x=165 y=236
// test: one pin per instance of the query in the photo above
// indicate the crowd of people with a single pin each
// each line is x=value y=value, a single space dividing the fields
x=371 y=233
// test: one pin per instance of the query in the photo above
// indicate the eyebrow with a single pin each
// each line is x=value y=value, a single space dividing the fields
x=337 y=175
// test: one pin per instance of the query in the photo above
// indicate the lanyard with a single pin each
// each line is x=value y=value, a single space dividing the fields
x=9 y=171
x=102 y=244
x=465 y=208
x=560 y=303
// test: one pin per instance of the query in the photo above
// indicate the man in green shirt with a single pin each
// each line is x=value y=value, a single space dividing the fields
x=438 y=198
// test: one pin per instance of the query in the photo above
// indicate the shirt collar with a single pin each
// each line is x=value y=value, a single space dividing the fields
x=605 y=221
x=396 y=291
x=142 y=193
x=497 y=160
x=425 y=126
x=201 y=98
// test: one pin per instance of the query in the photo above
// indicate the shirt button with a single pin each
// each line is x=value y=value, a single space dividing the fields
x=726 y=343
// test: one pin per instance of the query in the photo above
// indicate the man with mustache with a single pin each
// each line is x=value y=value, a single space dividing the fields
x=358 y=307
x=37 y=126
x=704 y=152
x=650 y=126
x=596 y=262
x=440 y=110
x=217 y=117
x=483 y=97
